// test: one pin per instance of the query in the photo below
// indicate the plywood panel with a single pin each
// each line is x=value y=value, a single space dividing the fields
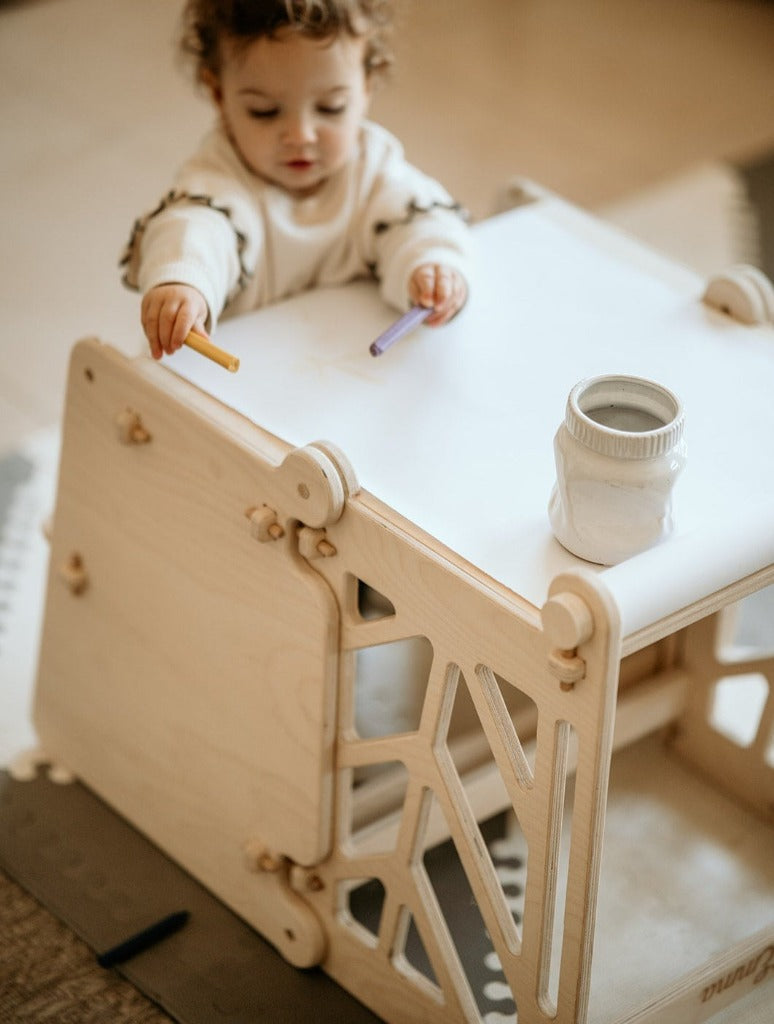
x=191 y=681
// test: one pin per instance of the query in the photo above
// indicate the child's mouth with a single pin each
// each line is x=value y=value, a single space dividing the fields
x=300 y=165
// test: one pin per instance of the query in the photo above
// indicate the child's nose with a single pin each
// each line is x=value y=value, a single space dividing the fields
x=299 y=129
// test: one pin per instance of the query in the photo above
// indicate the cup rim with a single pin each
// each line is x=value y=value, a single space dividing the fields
x=643 y=394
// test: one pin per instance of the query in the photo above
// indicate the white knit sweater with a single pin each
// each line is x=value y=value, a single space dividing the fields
x=243 y=242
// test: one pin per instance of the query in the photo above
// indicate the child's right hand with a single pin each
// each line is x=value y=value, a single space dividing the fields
x=440 y=288
x=169 y=312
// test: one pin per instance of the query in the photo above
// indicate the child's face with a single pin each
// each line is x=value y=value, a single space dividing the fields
x=293 y=106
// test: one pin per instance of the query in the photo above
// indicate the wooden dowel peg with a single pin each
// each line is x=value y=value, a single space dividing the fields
x=314 y=544
x=74 y=574
x=130 y=428
x=259 y=858
x=263 y=524
x=567 y=667
x=326 y=549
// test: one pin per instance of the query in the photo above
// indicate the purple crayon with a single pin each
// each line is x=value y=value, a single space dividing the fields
x=402 y=326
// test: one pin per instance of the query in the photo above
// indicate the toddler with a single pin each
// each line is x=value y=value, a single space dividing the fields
x=293 y=187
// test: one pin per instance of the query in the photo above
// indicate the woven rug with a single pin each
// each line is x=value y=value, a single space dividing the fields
x=46 y=972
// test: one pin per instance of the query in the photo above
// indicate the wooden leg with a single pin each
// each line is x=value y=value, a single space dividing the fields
x=742 y=765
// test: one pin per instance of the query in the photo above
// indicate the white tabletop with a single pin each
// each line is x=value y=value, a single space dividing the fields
x=453 y=428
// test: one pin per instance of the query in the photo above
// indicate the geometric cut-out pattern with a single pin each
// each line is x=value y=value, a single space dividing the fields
x=450 y=818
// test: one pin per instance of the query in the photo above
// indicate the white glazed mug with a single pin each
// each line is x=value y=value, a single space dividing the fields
x=618 y=453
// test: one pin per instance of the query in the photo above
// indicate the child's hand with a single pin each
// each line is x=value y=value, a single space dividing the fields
x=169 y=312
x=440 y=287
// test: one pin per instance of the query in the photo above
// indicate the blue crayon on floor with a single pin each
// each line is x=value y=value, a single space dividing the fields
x=415 y=316
x=143 y=940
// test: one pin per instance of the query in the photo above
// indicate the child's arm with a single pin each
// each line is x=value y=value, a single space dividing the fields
x=189 y=256
x=169 y=312
x=440 y=287
x=412 y=234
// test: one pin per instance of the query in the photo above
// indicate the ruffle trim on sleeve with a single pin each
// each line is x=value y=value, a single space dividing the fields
x=415 y=209
x=130 y=258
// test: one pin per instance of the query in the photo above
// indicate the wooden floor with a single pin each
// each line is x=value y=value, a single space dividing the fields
x=592 y=98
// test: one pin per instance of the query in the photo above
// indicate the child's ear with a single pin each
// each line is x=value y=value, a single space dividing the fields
x=212 y=83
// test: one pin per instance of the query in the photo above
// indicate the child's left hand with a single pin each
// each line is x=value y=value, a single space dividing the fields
x=442 y=288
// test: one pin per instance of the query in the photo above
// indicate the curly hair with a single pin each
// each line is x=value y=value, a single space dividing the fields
x=206 y=23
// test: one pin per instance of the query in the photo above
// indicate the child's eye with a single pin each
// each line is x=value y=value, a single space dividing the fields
x=331 y=111
x=263 y=115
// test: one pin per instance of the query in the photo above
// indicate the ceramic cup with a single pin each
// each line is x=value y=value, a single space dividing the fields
x=618 y=453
